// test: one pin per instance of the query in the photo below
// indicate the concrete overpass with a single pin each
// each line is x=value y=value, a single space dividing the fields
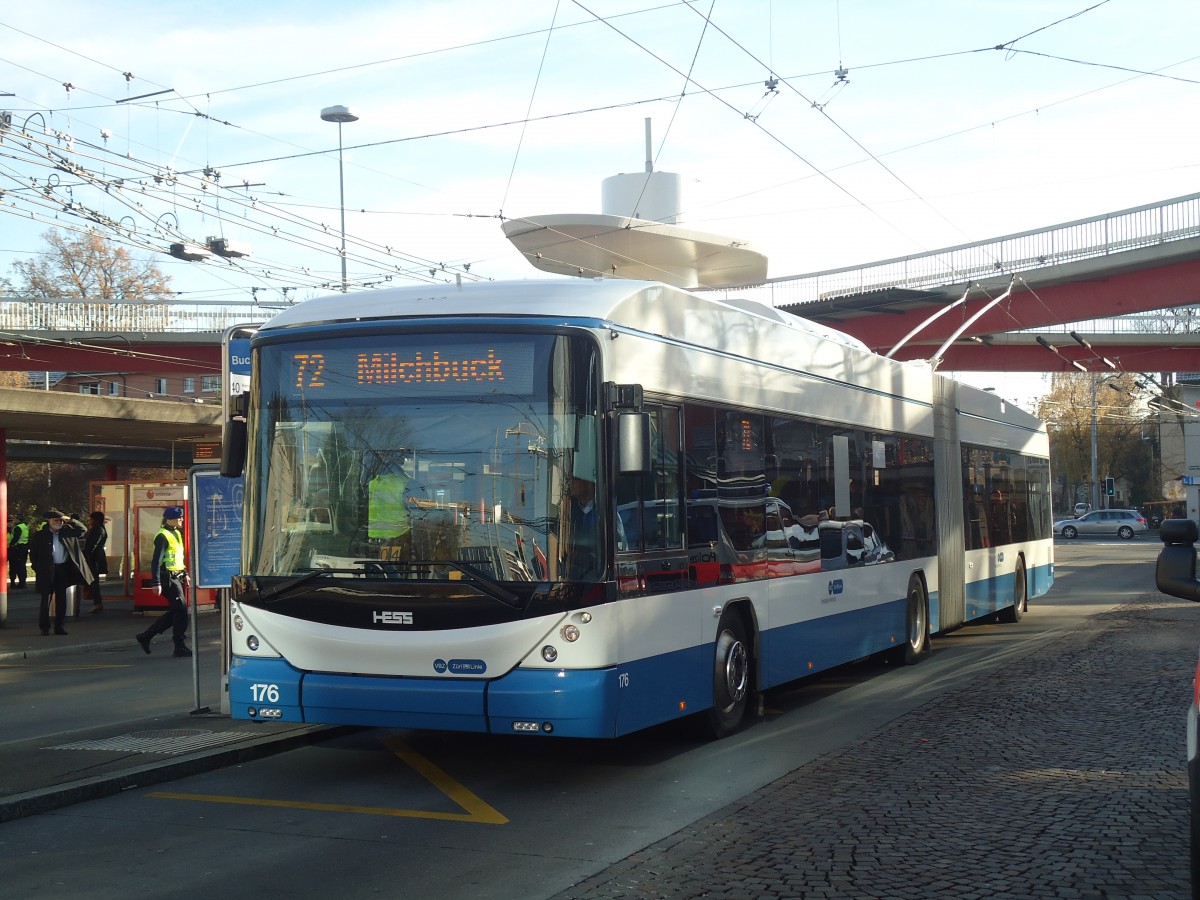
x=1065 y=277
x=61 y=427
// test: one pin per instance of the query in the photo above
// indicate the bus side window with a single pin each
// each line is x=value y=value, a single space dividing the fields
x=648 y=505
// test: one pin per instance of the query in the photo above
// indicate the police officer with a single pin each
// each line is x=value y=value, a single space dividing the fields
x=170 y=576
x=18 y=551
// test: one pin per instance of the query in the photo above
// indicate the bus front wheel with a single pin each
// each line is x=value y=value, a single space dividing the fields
x=731 y=677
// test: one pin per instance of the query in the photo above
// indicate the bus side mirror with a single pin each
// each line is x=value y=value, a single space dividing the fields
x=633 y=443
x=233 y=438
x=1176 y=571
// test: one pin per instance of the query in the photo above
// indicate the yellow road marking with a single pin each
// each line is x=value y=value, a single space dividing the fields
x=475 y=808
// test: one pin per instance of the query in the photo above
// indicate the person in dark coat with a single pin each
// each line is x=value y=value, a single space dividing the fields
x=59 y=563
x=95 y=543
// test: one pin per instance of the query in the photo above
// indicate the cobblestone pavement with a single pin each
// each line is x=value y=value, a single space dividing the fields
x=1061 y=776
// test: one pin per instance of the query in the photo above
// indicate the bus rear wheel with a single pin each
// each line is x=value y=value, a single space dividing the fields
x=1020 y=596
x=916 y=643
x=731 y=678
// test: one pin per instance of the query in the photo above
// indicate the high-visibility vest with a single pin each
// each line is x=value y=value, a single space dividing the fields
x=172 y=559
x=387 y=512
x=20 y=534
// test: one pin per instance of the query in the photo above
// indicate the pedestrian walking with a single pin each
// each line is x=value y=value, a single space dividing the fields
x=95 y=543
x=18 y=551
x=59 y=564
x=169 y=580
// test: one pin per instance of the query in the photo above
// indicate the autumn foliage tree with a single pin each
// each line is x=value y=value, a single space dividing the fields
x=1121 y=451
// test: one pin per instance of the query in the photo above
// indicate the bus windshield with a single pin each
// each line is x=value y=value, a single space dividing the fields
x=431 y=456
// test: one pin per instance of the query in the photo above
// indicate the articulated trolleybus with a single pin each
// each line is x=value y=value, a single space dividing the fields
x=582 y=508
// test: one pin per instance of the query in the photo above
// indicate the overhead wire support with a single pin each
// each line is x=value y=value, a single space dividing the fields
x=1053 y=349
x=1079 y=339
x=144 y=96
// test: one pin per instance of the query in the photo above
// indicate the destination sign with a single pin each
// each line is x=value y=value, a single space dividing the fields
x=439 y=369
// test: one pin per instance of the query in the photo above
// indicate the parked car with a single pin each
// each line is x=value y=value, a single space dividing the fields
x=1175 y=575
x=1081 y=508
x=1124 y=523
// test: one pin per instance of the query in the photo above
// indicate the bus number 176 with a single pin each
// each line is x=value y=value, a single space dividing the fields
x=265 y=693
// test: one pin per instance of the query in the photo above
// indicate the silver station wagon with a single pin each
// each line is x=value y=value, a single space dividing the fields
x=1123 y=523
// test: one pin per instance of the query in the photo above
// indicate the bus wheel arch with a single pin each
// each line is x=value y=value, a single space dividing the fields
x=916 y=623
x=1020 y=603
x=734 y=662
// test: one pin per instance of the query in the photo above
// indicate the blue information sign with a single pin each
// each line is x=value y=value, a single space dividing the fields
x=239 y=366
x=216 y=527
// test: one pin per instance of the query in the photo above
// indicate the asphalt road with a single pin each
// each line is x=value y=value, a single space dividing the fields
x=825 y=796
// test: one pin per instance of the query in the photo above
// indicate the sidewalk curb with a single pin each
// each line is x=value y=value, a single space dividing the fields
x=10 y=655
x=44 y=800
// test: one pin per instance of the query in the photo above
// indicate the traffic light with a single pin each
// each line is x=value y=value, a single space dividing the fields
x=1110 y=486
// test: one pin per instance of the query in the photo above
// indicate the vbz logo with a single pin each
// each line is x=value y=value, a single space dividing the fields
x=391 y=617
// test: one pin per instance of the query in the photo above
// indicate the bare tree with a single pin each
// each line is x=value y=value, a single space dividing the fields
x=89 y=267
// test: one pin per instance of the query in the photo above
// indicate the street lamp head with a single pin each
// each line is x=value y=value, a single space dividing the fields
x=338 y=114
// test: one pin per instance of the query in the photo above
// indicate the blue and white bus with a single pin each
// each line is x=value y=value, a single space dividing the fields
x=582 y=508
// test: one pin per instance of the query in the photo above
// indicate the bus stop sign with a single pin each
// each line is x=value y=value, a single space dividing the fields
x=216 y=526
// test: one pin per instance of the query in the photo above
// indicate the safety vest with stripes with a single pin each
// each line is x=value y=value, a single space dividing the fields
x=172 y=558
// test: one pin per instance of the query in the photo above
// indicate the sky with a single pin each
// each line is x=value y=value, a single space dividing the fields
x=824 y=133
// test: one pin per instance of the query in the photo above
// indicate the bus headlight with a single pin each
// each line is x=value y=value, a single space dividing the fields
x=570 y=634
x=252 y=642
x=237 y=623
x=549 y=653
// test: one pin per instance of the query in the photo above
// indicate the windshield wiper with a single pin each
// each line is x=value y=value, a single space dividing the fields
x=485 y=583
x=277 y=591
x=480 y=579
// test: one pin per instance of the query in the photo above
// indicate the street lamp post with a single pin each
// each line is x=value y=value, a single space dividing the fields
x=1095 y=476
x=341 y=115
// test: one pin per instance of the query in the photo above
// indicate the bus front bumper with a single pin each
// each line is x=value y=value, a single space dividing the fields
x=562 y=703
